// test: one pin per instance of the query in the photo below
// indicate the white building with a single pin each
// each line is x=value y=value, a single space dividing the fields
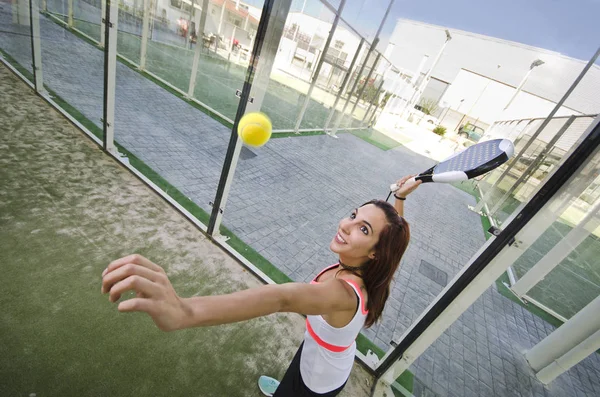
x=477 y=75
x=303 y=41
x=225 y=18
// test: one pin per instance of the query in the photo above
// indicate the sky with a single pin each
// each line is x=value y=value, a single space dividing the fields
x=569 y=27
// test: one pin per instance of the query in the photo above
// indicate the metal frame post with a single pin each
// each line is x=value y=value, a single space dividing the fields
x=145 y=30
x=315 y=75
x=502 y=125
x=268 y=36
x=102 y=22
x=70 y=14
x=36 y=46
x=364 y=86
x=110 y=70
x=371 y=48
x=558 y=253
x=546 y=121
x=371 y=121
x=342 y=113
x=376 y=95
x=221 y=17
x=569 y=359
x=344 y=84
x=372 y=118
x=198 y=49
x=564 y=339
x=533 y=166
x=23 y=14
x=522 y=229
x=15 y=11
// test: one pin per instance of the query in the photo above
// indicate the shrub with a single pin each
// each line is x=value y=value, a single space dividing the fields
x=428 y=106
x=440 y=130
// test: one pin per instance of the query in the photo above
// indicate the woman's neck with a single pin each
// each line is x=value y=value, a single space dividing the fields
x=354 y=265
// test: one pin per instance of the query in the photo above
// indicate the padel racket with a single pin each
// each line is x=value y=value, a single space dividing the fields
x=473 y=161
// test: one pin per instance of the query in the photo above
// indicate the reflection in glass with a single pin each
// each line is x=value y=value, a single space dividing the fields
x=15 y=39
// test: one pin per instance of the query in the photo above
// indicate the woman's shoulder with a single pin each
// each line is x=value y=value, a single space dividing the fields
x=356 y=280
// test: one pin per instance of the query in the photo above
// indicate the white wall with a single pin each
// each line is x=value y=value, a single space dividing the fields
x=485 y=99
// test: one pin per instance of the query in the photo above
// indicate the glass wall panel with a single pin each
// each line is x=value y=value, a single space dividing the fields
x=87 y=17
x=73 y=68
x=175 y=142
x=300 y=49
x=15 y=39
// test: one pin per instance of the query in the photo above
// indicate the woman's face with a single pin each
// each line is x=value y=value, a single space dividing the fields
x=358 y=235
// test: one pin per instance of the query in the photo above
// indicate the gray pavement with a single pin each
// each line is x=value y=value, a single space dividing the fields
x=287 y=200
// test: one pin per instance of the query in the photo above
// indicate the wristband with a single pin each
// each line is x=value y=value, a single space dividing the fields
x=399 y=198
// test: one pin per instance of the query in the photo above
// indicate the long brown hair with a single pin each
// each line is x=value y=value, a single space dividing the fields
x=379 y=272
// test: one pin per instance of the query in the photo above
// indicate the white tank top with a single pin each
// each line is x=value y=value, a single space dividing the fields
x=328 y=353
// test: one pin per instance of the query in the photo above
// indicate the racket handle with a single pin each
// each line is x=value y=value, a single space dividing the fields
x=394 y=187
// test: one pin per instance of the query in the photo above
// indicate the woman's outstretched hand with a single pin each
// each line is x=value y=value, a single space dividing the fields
x=406 y=186
x=154 y=293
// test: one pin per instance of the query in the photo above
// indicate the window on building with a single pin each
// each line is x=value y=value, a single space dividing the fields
x=176 y=3
x=339 y=44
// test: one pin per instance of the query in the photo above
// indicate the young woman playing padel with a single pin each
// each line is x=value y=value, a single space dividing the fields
x=338 y=303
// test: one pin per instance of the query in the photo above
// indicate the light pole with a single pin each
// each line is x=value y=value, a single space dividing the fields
x=417 y=94
x=537 y=62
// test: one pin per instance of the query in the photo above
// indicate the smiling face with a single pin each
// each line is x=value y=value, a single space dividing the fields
x=358 y=235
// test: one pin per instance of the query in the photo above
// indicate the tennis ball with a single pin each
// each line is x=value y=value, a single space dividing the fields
x=254 y=129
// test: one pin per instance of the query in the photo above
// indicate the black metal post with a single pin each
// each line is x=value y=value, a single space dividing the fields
x=258 y=43
x=107 y=25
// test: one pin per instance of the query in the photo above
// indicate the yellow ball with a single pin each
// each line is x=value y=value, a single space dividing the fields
x=254 y=129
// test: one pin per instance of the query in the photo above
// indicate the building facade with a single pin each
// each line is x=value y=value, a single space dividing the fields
x=477 y=76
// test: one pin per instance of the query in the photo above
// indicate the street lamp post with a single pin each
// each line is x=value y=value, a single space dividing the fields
x=466 y=116
x=417 y=94
x=537 y=62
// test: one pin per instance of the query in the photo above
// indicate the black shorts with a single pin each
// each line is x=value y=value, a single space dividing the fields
x=292 y=384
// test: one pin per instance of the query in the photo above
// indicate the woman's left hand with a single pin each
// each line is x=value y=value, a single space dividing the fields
x=154 y=293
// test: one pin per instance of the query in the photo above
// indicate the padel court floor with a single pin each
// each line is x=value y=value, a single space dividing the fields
x=66 y=211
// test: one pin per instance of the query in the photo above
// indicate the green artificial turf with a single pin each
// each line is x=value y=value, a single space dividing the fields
x=376 y=138
x=67 y=211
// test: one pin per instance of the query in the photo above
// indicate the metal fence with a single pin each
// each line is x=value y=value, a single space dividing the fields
x=538 y=153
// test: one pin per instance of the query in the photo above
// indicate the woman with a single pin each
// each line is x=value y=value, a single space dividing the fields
x=339 y=302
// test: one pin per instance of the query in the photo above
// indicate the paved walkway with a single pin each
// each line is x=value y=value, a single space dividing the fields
x=287 y=200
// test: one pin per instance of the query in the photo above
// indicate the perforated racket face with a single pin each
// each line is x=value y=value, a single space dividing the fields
x=475 y=160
